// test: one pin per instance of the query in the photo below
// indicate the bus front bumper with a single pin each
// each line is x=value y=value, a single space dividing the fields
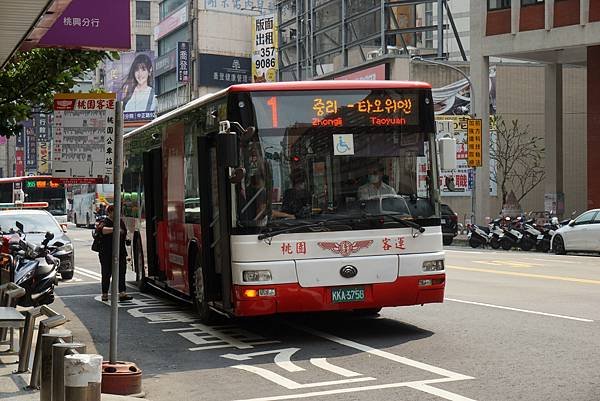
x=287 y=298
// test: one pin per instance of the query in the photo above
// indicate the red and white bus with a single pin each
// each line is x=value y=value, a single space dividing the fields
x=290 y=197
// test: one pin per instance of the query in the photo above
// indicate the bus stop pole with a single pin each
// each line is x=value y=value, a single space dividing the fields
x=117 y=178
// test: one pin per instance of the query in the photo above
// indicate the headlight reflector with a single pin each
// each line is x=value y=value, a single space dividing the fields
x=256 y=275
x=433 y=265
x=66 y=248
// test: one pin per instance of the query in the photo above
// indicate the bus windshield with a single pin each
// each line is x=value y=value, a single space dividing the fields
x=330 y=157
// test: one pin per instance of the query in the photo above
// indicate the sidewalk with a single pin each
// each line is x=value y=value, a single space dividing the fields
x=13 y=386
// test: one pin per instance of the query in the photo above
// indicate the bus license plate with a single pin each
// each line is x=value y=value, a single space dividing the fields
x=347 y=294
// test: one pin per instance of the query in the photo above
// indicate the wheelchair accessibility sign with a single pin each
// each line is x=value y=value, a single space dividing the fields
x=343 y=144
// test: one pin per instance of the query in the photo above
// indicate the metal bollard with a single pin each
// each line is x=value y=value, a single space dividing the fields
x=27 y=337
x=59 y=351
x=48 y=340
x=83 y=377
x=45 y=325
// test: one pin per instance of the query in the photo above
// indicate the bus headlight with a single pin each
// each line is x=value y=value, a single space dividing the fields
x=257 y=275
x=433 y=265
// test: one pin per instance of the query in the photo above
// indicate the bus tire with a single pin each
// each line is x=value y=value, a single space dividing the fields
x=199 y=296
x=138 y=261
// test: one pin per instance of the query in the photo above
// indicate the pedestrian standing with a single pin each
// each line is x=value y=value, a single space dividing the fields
x=106 y=228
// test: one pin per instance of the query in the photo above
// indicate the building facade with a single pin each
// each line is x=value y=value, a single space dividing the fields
x=556 y=33
x=219 y=36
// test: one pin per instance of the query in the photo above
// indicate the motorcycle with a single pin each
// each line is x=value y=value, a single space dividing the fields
x=496 y=234
x=512 y=234
x=32 y=267
x=477 y=236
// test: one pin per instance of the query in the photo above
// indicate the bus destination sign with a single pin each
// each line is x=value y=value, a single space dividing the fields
x=381 y=111
x=371 y=108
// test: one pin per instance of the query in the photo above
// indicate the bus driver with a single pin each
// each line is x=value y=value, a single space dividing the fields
x=375 y=187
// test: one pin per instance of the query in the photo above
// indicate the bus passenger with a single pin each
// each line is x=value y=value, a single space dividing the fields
x=375 y=187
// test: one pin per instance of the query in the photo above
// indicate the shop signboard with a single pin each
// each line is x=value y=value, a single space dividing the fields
x=222 y=71
x=264 y=48
x=91 y=25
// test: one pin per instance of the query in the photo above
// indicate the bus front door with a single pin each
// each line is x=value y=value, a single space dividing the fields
x=215 y=232
x=153 y=204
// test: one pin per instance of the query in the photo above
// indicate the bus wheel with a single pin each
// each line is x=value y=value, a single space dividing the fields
x=140 y=274
x=199 y=295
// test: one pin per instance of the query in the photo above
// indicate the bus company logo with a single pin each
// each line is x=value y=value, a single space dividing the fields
x=345 y=248
x=64 y=104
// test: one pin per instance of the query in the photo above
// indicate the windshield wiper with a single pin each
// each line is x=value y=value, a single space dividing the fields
x=396 y=218
x=271 y=234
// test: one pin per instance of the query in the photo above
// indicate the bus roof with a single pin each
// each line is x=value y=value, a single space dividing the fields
x=25 y=178
x=284 y=86
x=329 y=85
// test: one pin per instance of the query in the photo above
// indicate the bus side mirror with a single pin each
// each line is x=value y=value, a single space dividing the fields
x=228 y=144
x=447 y=149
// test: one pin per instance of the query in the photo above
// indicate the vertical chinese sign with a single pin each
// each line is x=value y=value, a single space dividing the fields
x=20 y=154
x=474 y=142
x=43 y=133
x=183 y=62
x=84 y=134
x=264 y=48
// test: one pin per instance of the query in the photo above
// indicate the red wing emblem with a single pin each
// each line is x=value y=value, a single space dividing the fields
x=345 y=248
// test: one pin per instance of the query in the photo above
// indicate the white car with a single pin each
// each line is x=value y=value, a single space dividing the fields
x=580 y=235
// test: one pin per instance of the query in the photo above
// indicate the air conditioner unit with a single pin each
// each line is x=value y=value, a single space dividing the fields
x=373 y=54
x=393 y=50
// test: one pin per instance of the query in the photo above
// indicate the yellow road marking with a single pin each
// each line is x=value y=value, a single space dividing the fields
x=506 y=263
x=542 y=276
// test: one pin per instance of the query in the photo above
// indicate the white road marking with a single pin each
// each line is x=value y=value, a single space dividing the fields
x=91 y=272
x=419 y=385
x=292 y=385
x=85 y=295
x=520 y=310
x=384 y=354
x=282 y=359
x=323 y=364
x=88 y=275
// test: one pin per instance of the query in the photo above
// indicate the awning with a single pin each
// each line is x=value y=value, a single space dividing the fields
x=23 y=21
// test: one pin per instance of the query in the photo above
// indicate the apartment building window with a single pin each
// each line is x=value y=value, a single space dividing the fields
x=530 y=2
x=142 y=10
x=142 y=43
x=498 y=4
x=167 y=7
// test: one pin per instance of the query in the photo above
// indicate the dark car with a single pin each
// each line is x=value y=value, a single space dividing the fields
x=35 y=225
x=449 y=224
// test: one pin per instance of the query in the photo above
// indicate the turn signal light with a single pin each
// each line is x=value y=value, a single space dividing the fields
x=250 y=293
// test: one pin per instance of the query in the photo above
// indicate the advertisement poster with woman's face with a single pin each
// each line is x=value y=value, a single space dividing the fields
x=132 y=79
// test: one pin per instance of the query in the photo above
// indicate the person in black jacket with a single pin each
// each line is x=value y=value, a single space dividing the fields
x=106 y=229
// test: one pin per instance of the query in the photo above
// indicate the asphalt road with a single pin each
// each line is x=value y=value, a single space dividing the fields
x=515 y=326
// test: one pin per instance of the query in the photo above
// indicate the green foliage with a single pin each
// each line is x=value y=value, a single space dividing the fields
x=32 y=78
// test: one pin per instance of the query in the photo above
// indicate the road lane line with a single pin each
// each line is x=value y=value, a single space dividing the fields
x=85 y=295
x=88 y=271
x=323 y=364
x=383 y=354
x=419 y=385
x=88 y=275
x=519 y=310
x=529 y=275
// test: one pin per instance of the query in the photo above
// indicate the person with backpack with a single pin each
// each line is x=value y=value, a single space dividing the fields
x=103 y=244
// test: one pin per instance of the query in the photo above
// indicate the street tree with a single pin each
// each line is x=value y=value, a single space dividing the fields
x=519 y=159
x=30 y=80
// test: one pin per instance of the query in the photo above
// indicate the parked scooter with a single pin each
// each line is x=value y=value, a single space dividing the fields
x=512 y=234
x=32 y=267
x=496 y=233
x=477 y=236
